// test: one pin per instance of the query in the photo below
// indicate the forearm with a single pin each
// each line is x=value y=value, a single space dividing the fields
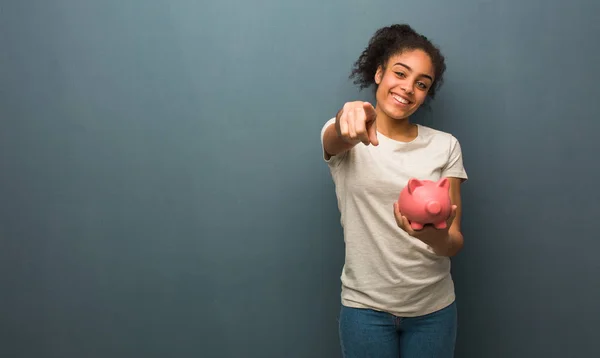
x=449 y=247
x=455 y=241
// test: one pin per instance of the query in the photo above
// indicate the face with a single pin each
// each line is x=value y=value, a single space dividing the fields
x=404 y=84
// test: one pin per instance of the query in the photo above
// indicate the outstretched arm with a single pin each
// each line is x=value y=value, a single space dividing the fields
x=354 y=123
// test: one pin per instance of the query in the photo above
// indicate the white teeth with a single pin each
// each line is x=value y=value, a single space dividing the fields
x=400 y=99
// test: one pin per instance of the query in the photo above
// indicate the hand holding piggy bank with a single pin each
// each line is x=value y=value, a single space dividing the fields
x=425 y=202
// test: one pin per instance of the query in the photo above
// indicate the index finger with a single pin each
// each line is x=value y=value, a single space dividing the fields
x=402 y=221
x=372 y=133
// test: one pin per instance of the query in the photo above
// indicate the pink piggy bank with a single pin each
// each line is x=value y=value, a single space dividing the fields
x=425 y=202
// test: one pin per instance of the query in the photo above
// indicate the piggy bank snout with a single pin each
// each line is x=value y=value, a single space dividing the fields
x=433 y=207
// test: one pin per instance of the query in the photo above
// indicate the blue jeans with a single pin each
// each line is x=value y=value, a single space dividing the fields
x=366 y=333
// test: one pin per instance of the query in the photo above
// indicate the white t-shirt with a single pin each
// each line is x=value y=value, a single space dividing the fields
x=385 y=268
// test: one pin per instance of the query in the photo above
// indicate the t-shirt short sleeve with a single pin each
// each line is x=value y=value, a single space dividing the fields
x=454 y=167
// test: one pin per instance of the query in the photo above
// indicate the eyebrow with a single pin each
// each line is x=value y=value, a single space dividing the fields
x=410 y=69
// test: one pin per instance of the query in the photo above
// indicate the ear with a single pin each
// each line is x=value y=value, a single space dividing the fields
x=444 y=183
x=413 y=184
x=378 y=75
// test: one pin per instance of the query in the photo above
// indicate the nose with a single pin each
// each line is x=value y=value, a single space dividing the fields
x=433 y=207
x=408 y=89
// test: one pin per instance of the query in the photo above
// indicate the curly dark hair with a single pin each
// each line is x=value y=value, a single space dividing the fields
x=392 y=40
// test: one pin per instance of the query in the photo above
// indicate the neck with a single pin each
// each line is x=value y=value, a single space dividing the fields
x=397 y=129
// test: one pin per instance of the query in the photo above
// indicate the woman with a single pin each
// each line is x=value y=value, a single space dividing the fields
x=397 y=295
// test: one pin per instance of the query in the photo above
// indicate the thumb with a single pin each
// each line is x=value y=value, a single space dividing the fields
x=452 y=215
x=369 y=111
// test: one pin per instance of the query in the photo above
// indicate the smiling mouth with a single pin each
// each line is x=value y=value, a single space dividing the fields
x=400 y=99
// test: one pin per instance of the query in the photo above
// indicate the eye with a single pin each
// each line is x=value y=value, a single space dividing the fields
x=422 y=85
x=400 y=74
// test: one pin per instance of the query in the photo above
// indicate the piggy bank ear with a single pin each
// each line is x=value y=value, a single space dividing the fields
x=413 y=184
x=444 y=183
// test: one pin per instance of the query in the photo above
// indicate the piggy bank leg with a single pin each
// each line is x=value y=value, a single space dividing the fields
x=440 y=225
x=416 y=226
